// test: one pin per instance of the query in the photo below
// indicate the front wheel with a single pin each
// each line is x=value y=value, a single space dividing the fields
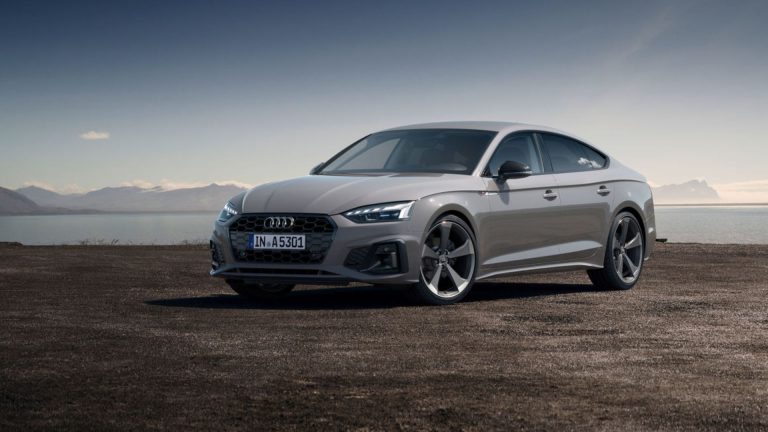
x=624 y=255
x=259 y=291
x=448 y=262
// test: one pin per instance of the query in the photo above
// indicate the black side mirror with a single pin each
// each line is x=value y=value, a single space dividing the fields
x=317 y=168
x=513 y=170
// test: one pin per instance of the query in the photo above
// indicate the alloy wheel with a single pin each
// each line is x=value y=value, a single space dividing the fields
x=448 y=259
x=627 y=249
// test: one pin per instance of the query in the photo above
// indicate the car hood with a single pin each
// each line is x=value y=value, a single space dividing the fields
x=328 y=194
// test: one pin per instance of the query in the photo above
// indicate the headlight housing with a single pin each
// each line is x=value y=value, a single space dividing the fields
x=387 y=212
x=228 y=212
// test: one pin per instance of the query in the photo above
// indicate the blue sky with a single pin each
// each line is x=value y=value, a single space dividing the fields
x=194 y=92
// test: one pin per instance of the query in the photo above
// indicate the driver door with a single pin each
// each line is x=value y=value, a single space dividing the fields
x=522 y=228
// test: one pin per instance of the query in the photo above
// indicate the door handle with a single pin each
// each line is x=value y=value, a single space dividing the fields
x=549 y=195
x=603 y=190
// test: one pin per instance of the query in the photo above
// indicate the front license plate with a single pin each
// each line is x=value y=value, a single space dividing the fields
x=276 y=241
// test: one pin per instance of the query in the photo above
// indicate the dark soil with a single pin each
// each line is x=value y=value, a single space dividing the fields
x=141 y=338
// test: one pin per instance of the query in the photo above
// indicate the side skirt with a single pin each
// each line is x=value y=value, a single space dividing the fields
x=550 y=268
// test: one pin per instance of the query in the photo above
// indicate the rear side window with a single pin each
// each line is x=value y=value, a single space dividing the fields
x=595 y=159
x=569 y=155
x=518 y=148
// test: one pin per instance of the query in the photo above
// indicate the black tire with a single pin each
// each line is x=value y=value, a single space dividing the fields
x=614 y=262
x=259 y=291
x=465 y=265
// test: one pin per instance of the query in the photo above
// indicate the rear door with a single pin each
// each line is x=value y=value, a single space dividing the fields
x=586 y=195
x=521 y=228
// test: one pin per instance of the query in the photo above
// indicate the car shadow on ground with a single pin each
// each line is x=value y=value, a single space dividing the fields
x=370 y=297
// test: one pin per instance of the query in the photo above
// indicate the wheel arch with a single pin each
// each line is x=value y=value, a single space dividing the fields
x=457 y=211
x=633 y=208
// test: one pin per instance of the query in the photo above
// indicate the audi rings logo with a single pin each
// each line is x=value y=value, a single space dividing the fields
x=278 y=222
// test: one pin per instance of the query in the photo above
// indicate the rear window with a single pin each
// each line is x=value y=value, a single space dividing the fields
x=569 y=155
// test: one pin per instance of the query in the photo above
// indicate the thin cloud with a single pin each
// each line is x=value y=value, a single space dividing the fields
x=66 y=189
x=234 y=183
x=649 y=33
x=139 y=183
x=39 y=184
x=94 y=135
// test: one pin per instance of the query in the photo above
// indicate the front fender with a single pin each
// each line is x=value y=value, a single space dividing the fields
x=464 y=204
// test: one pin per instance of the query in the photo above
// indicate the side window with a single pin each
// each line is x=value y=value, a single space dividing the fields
x=518 y=148
x=595 y=159
x=570 y=155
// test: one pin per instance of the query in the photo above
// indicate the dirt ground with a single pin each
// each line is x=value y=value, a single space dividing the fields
x=140 y=337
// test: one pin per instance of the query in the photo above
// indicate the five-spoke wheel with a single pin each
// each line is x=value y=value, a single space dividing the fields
x=447 y=261
x=624 y=255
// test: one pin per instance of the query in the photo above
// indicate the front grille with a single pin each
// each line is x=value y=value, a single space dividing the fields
x=318 y=231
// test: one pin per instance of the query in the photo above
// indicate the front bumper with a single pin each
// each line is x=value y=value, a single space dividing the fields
x=336 y=267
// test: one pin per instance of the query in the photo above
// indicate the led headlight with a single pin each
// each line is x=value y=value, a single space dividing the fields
x=227 y=213
x=380 y=212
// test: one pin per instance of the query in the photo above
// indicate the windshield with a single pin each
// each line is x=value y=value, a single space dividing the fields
x=455 y=151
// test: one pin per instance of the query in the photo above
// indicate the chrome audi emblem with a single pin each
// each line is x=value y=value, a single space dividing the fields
x=278 y=222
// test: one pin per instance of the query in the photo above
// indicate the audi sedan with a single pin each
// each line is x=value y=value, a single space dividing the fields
x=437 y=207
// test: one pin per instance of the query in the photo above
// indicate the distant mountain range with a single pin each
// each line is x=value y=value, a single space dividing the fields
x=35 y=200
x=691 y=192
x=15 y=203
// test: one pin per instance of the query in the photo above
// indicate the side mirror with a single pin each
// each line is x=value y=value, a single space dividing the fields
x=513 y=170
x=316 y=169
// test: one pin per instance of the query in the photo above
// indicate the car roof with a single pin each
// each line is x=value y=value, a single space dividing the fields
x=480 y=125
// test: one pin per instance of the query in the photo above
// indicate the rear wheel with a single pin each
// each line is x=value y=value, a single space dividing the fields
x=259 y=291
x=624 y=255
x=448 y=262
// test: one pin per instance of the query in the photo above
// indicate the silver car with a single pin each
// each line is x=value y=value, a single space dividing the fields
x=437 y=207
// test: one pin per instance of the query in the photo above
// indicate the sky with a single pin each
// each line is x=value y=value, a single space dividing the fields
x=107 y=93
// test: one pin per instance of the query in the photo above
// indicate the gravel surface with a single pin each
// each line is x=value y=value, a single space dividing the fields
x=140 y=337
